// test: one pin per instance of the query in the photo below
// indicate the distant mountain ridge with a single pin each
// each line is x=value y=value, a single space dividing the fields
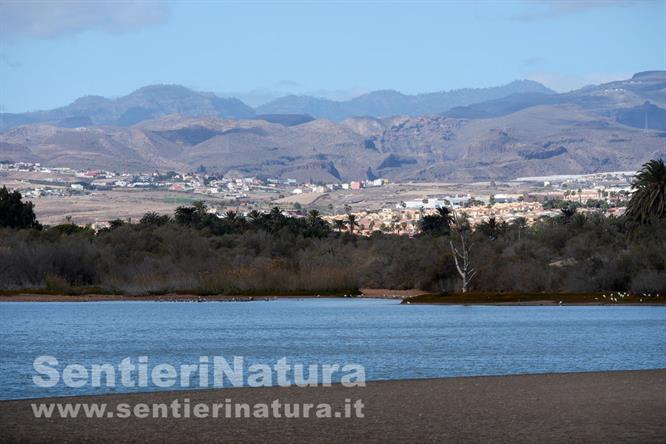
x=386 y=103
x=146 y=103
x=639 y=102
x=155 y=101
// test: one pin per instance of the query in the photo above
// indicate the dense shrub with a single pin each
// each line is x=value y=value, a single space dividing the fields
x=276 y=253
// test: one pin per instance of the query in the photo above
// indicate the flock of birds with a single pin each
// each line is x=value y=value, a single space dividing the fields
x=204 y=299
x=613 y=297
x=619 y=296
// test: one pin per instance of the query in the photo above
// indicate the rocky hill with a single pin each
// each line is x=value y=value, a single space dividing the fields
x=599 y=128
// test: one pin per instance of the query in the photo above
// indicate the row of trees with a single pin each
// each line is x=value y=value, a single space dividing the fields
x=193 y=249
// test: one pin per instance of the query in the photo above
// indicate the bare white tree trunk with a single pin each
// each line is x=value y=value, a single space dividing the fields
x=461 y=255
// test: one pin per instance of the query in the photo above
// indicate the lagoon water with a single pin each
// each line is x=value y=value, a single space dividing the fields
x=391 y=341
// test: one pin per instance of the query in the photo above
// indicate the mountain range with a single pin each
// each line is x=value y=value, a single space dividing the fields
x=391 y=103
x=143 y=104
x=155 y=101
x=520 y=129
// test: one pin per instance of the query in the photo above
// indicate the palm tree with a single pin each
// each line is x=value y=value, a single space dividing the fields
x=200 y=207
x=568 y=212
x=520 y=224
x=231 y=215
x=352 y=222
x=648 y=200
x=185 y=215
x=254 y=216
x=445 y=215
x=276 y=212
x=490 y=228
x=313 y=217
x=339 y=224
x=316 y=225
x=276 y=220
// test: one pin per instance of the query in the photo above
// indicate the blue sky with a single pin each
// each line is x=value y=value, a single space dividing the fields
x=53 y=52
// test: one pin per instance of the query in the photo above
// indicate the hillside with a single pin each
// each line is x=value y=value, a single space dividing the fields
x=598 y=128
x=535 y=141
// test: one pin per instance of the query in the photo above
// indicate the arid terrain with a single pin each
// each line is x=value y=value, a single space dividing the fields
x=128 y=203
x=608 y=127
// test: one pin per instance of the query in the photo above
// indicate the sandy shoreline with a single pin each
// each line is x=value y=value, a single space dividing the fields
x=626 y=406
x=175 y=297
x=413 y=296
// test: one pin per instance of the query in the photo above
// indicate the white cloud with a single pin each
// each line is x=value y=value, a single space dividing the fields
x=51 y=19
x=568 y=82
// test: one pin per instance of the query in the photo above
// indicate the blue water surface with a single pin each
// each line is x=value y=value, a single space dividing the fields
x=391 y=341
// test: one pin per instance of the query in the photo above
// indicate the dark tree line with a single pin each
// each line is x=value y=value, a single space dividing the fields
x=274 y=221
x=194 y=250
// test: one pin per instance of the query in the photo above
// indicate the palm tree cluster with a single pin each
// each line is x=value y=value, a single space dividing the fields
x=351 y=223
x=274 y=221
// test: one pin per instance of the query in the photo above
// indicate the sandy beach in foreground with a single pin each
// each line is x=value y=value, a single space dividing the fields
x=627 y=406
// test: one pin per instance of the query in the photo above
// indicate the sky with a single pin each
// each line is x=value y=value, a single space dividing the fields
x=52 y=52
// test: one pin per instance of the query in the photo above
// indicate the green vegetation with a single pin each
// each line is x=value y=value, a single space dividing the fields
x=648 y=201
x=263 y=253
x=14 y=213
x=266 y=253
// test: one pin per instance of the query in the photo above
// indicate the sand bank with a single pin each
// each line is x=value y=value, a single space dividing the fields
x=625 y=406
